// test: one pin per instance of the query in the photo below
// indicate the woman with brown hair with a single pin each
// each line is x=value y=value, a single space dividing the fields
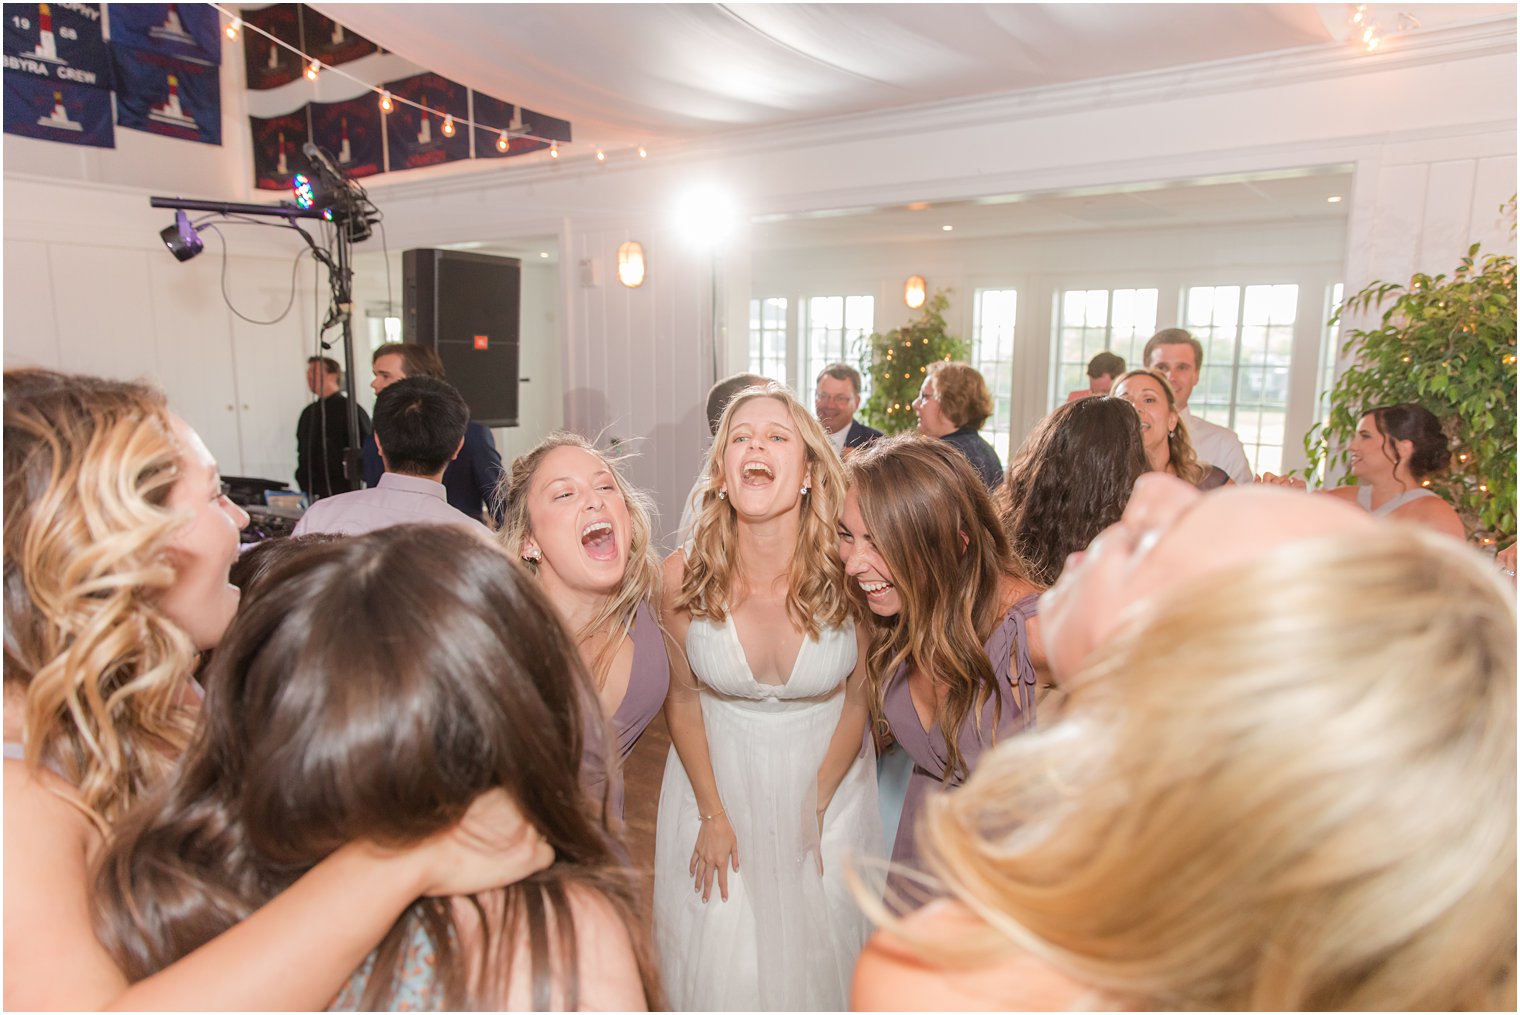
x=770 y=783
x=955 y=648
x=1284 y=780
x=574 y=521
x=1070 y=481
x=1163 y=431
x=952 y=405
x=371 y=689
x=118 y=538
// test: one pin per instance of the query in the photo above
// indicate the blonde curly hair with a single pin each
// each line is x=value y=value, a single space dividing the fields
x=1285 y=786
x=89 y=465
x=815 y=593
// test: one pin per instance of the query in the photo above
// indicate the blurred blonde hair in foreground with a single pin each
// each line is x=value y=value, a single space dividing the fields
x=1287 y=786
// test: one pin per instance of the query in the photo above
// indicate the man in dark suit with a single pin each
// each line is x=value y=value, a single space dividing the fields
x=471 y=478
x=835 y=400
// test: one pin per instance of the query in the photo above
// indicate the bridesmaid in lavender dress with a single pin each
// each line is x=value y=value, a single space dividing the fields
x=575 y=522
x=955 y=649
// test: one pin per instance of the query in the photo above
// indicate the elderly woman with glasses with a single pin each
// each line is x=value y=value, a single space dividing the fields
x=952 y=405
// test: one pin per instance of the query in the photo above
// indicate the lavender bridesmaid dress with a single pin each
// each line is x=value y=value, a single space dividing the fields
x=647 y=684
x=927 y=748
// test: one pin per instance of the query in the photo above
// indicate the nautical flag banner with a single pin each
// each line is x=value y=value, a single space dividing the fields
x=492 y=116
x=269 y=64
x=58 y=111
x=277 y=142
x=540 y=125
x=416 y=135
x=56 y=42
x=329 y=41
x=351 y=131
x=165 y=95
x=186 y=31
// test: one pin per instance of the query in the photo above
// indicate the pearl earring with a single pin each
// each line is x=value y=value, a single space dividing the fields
x=723 y=495
x=805 y=490
x=1170 y=434
x=533 y=555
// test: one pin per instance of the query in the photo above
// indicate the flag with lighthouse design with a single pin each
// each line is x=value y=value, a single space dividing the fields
x=57 y=74
x=351 y=131
x=166 y=95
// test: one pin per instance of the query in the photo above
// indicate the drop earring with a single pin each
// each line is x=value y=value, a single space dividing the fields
x=723 y=495
x=805 y=490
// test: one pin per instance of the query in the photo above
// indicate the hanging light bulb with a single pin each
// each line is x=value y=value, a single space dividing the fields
x=1359 y=15
x=643 y=152
x=448 y=124
x=386 y=105
x=554 y=149
x=601 y=156
x=503 y=142
x=232 y=28
x=312 y=70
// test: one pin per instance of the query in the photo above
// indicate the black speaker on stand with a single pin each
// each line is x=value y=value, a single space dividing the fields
x=467 y=307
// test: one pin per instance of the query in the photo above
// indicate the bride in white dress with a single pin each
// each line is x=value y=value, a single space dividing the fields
x=770 y=786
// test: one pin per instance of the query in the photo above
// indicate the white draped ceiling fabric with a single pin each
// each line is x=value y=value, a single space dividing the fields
x=629 y=74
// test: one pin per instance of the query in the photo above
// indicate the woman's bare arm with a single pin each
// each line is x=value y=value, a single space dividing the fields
x=294 y=953
x=717 y=848
x=849 y=736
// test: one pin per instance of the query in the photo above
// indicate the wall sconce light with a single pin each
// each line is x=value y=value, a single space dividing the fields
x=913 y=292
x=631 y=264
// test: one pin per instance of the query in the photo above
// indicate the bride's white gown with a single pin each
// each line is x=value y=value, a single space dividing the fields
x=786 y=939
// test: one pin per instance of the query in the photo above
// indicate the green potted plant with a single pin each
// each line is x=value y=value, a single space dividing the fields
x=1447 y=343
x=898 y=360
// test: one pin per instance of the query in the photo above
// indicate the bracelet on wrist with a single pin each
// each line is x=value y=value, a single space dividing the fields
x=708 y=817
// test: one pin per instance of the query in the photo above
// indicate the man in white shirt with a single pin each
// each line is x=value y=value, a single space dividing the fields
x=419 y=428
x=1178 y=356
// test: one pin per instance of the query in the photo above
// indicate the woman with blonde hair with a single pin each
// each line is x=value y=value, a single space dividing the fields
x=955 y=647
x=952 y=405
x=118 y=539
x=371 y=688
x=574 y=521
x=770 y=783
x=1163 y=430
x=1306 y=804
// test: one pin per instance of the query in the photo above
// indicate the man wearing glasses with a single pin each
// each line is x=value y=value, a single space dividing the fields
x=835 y=400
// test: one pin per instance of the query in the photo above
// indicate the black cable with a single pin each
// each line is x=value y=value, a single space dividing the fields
x=227 y=298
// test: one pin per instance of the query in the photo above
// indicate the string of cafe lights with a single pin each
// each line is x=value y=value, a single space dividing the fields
x=1369 y=27
x=450 y=123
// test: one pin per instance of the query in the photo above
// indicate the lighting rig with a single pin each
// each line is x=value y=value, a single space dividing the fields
x=321 y=191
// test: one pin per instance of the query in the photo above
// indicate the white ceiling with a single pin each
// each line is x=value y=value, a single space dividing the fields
x=627 y=74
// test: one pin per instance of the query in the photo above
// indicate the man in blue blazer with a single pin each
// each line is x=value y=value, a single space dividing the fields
x=471 y=478
x=835 y=399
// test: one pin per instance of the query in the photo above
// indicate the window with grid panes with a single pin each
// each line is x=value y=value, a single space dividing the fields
x=1247 y=336
x=835 y=329
x=767 y=337
x=993 y=317
x=1090 y=321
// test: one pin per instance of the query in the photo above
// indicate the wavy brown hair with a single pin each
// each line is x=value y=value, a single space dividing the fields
x=1070 y=480
x=89 y=464
x=371 y=689
x=641 y=575
x=1182 y=460
x=815 y=594
x=932 y=520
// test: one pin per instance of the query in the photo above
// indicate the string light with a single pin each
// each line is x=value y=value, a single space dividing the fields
x=643 y=152
x=601 y=156
x=1359 y=15
x=503 y=142
x=313 y=67
x=1483 y=487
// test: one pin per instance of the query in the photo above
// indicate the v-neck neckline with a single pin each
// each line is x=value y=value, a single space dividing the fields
x=733 y=627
